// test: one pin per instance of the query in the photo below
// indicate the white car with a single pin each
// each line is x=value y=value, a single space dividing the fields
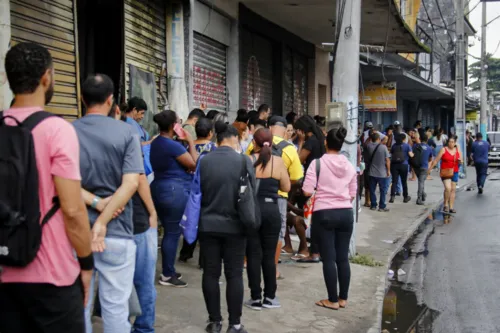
x=494 y=153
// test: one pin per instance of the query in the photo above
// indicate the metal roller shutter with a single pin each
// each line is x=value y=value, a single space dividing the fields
x=256 y=81
x=294 y=82
x=52 y=24
x=209 y=73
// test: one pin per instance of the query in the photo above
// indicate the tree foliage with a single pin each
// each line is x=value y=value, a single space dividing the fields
x=493 y=74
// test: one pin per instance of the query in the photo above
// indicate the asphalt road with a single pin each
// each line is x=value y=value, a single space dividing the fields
x=462 y=279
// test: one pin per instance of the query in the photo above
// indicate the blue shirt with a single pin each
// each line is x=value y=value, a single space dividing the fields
x=480 y=151
x=163 y=157
x=406 y=150
x=144 y=136
x=427 y=152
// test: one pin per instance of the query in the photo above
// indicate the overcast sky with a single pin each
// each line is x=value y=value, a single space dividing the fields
x=492 y=35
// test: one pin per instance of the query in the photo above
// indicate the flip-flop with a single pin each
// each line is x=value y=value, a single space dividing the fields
x=323 y=305
x=309 y=261
x=298 y=256
x=342 y=307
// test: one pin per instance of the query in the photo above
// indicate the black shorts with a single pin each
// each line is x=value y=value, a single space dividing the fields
x=41 y=308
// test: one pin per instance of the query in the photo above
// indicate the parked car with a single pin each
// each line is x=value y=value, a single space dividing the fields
x=494 y=153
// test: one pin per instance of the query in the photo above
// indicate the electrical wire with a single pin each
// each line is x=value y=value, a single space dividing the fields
x=475 y=6
x=432 y=26
x=442 y=18
x=386 y=39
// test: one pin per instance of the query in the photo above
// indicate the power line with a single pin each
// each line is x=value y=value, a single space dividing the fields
x=432 y=26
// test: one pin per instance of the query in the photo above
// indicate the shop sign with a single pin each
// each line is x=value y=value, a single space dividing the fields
x=380 y=97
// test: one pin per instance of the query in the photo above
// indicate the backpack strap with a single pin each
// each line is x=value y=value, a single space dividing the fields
x=36 y=118
x=52 y=211
x=318 y=167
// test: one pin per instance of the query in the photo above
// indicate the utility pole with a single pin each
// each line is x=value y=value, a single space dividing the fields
x=484 y=93
x=345 y=87
x=5 y=93
x=460 y=79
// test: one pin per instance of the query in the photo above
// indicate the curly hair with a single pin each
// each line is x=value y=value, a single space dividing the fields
x=25 y=64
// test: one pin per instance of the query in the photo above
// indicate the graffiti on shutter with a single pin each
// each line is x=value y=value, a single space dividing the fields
x=256 y=80
x=294 y=82
x=209 y=73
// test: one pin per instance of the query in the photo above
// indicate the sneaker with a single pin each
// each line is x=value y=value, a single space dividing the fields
x=253 y=304
x=233 y=329
x=173 y=281
x=214 y=327
x=424 y=197
x=407 y=199
x=271 y=303
x=391 y=200
x=373 y=208
x=480 y=190
x=420 y=202
x=385 y=210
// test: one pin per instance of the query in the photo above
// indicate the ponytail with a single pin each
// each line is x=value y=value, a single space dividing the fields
x=263 y=139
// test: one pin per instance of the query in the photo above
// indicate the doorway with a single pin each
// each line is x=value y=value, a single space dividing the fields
x=101 y=40
x=321 y=99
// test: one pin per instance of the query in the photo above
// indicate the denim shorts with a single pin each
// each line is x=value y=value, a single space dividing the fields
x=454 y=179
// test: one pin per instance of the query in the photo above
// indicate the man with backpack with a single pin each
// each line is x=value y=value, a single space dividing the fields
x=111 y=163
x=400 y=154
x=422 y=154
x=43 y=219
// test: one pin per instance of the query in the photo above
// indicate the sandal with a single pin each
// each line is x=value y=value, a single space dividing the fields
x=324 y=304
x=452 y=211
x=342 y=301
x=298 y=256
x=446 y=209
x=309 y=260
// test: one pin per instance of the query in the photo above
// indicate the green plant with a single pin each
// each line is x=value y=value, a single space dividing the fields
x=365 y=260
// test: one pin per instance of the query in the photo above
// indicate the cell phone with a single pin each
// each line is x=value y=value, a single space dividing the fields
x=179 y=131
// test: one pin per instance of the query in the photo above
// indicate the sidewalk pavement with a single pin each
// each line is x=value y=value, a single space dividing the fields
x=379 y=235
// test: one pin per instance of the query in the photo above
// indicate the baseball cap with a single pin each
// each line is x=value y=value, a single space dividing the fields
x=369 y=124
x=397 y=123
x=277 y=121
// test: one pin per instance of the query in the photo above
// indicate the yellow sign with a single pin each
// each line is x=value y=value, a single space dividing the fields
x=471 y=116
x=380 y=97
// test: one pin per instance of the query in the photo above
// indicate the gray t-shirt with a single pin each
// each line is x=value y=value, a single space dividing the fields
x=378 y=161
x=109 y=149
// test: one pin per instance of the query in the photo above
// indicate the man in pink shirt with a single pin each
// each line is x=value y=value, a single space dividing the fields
x=48 y=294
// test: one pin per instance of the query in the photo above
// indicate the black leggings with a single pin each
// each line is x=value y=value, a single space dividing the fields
x=261 y=250
x=230 y=249
x=399 y=170
x=333 y=229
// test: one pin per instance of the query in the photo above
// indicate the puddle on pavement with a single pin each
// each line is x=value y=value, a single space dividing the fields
x=404 y=309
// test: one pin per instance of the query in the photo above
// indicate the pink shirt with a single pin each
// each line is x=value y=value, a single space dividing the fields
x=337 y=182
x=57 y=154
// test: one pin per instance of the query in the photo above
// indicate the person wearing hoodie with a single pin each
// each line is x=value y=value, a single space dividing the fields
x=332 y=226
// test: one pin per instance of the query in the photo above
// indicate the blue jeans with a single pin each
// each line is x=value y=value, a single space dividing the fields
x=382 y=183
x=170 y=197
x=144 y=279
x=481 y=173
x=116 y=267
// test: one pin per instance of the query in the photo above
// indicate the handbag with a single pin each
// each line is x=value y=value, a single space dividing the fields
x=191 y=217
x=309 y=206
x=247 y=204
x=448 y=172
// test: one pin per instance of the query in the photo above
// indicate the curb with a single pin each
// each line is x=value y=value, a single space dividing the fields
x=381 y=290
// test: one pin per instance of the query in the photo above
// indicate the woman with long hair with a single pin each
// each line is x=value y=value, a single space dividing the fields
x=332 y=216
x=221 y=231
x=272 y=175
x=450 y=159
x=172 y=165
x=311 y=145
x=243 y=135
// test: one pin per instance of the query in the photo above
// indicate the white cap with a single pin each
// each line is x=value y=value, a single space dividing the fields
x=397 y=123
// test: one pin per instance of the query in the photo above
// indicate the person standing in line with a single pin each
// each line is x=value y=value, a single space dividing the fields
x=426 y=154
x=439 y=140
x=400 y=154
x=114 y=179
x=333 y=216
x=450 y=159
x=173 y=165
x=48 y=295
x=264 y=112
x=272 y=175
x=479 y=151
x=193 y=117
x=221 y=231
x=134 y=113
x=379 y=166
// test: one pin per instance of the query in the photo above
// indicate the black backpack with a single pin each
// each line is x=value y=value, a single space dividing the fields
x=398 y=155
x=20 y=227
x=416 y=160
x=277 y=150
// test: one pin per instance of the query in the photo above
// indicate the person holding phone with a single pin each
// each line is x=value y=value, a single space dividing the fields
x=172 y=165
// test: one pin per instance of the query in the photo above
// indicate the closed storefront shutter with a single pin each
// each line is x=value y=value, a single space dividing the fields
x=209 y=73
x=52 y=25
x=256 y=79
x=145 y=42
x=294 y=82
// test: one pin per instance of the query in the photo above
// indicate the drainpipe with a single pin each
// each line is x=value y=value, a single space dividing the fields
x=5 y=92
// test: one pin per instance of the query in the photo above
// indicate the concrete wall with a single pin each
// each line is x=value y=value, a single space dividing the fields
x=5 y=92
x=319 y=78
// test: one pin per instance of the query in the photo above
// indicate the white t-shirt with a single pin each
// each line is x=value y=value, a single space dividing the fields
x=366 y=134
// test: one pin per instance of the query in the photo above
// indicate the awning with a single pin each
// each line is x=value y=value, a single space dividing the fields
x=408 y=85
x=314 y=21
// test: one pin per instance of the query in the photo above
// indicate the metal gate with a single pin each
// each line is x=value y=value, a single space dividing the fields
x=209 y=73
x=52 y=25
x=294 y=82
x=256 y=80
